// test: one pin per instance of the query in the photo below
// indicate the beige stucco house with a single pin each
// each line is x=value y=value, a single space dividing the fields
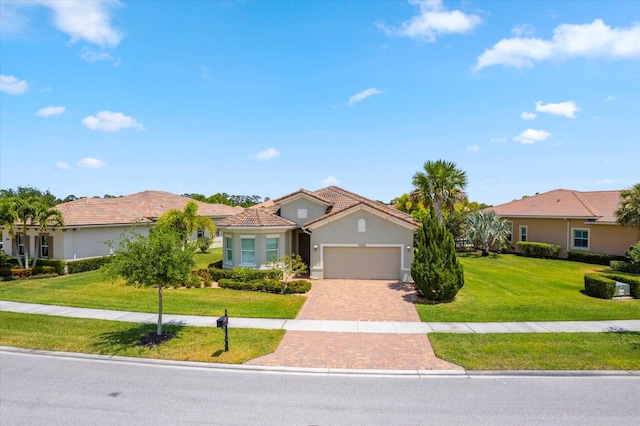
x=339 y=234
x=574 y=220
x=90 y=223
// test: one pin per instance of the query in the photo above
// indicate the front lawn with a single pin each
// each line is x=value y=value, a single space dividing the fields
x=515 y=288
x=204 y=344
x=540 y=351
x=88 y=290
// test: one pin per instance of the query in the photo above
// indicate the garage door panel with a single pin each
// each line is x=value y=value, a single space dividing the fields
x=371 y=263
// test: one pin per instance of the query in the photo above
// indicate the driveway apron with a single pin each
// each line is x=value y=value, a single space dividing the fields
x=357 y=300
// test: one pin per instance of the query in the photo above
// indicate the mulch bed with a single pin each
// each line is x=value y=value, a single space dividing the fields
x=152 y=339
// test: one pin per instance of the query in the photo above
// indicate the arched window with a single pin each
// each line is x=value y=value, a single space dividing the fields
x=362 y=225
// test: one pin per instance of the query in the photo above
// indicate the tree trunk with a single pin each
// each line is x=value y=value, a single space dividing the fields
x=485 y=248
x=159 y=331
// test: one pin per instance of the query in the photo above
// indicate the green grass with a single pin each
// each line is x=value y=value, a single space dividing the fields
x=88 y=290
x=516 y=288
x=541 y=351
x=204 y=344
x=204 y=259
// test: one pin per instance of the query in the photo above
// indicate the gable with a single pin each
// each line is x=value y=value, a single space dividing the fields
x=354 y=210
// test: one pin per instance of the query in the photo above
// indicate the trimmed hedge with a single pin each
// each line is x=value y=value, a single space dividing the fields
x=633 y=281
x=597 y=285
x=620 y=266
x=267 y=285
x=593 y=258
x=243 y=274
x=57 y=264
x=536 y=249
x=85 y=265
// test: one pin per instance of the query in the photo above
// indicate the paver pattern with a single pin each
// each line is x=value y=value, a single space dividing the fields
x=357 y=300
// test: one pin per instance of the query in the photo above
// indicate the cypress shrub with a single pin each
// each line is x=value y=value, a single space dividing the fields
x=435 y=269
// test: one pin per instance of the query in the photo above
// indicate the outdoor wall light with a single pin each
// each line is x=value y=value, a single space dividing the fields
x=315 y=247
x=408 y=247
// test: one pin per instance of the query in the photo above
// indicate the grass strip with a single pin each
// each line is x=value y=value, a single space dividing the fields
x=540 y=351
x=204 y=344
x=516 y=288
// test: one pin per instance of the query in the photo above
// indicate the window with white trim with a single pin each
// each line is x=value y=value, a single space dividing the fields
x=581 y=238
x=228 y=249
x=248 y=251
x=362 y=225
x=509 y=226
x=20 y=242
x=272 y=248
x=44 y=246
x=523 y=233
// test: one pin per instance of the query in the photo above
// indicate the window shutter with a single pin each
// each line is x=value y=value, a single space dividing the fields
x=36 y=243
x=14 y=246
x=50 y=242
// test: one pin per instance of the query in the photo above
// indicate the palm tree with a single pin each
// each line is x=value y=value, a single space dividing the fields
x=628 y=212
x=440 y=186
x=486 y=225
x=33 y=211
x=45 y=216
x=186 y=222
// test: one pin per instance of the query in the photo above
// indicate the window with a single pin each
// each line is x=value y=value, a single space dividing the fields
x=20 y=240
x=509 y=226
x=362 y=225
x=581 y=238
x=228 y=242
x=302 y=213
x=272 y=248
x=200 y=233
x=523 y=233
x=44 y=246
x=248 y=251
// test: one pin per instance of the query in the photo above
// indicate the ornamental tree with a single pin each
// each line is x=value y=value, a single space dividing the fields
x=435 y=269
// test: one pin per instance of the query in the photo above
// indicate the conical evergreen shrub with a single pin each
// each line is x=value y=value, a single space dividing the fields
x=435 y=269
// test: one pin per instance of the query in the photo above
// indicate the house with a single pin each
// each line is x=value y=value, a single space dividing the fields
x=92 y=226
x=337 y=233
x=574 y=220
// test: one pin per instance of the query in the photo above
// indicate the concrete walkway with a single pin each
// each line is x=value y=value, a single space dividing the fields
x=382 y=327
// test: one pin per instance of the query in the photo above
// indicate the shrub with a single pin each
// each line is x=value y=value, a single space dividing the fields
x=593 y=258
x=268 y=285
x=215 y=265
x=41 y=269
x=596 y=285
x=85 y=265
x=203 y=243
x=218 y=274
x=618 y=265
x=536 y=249
x=634 y=253
x=632 y=280
x=57 y=264
x=21 y=273
x=5 y=272
x=300 y=286
x=204 y=276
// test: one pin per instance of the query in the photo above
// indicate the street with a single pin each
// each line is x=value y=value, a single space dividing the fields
x=43 y=389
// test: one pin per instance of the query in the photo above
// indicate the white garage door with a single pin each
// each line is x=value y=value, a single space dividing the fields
x=368 y=263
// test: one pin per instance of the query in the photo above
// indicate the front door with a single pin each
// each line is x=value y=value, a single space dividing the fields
x=304 y=248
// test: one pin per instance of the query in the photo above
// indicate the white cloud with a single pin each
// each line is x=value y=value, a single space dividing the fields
x=330 y=180
x=85 y=20
x=267 y=154
x=12 y=85
x=61 y=165
x=609 y=98
x=363 y=95
x=499 y=140
x=91 y=163
x=473 y=148
x=49 y=111
x=528 y=116
x=108 y=121
x=523 y=30
x=592 y=40
x=566 y=109
x=93 y=56
x=530 y=136
x=433 y=20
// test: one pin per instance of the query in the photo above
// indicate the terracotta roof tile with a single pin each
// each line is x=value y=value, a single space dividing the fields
x=254 y=218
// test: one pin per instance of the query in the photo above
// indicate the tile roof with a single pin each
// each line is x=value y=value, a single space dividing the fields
x=599 y=206
x=336 y=198
x=254 y=218
x=142 y=207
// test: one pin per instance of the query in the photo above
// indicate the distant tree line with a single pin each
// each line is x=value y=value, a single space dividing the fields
x=229 y=200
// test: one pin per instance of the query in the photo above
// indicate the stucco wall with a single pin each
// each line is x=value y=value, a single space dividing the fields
x=290 y=210
x=260 y=237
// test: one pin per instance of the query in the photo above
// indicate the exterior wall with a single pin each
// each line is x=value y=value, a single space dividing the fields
x=344 y=232
x=290 y=210
x=605 y=239
x=260 y=237
x=91 y=242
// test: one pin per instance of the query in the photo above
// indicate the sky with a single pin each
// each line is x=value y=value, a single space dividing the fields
x=267 y=97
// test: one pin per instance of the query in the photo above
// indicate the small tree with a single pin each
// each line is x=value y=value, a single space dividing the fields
x=204 y=243
x=488 y=228
x=159 y=260
x=435 y=269
x=290 y=266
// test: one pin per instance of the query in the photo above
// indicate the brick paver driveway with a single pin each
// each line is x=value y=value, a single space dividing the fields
x=357 y=300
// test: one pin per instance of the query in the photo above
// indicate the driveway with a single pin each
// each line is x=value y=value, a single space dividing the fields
x=357 y=300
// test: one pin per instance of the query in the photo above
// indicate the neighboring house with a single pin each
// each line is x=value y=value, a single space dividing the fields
x=337 y=233
x=90 y=223
x=574 y=220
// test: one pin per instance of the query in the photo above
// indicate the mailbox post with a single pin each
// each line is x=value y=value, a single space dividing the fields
x=223 y=322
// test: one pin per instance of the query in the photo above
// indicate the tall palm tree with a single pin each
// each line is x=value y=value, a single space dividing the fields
x=33 y=211
x=440 y=186
x=628 y=212
x=44 y=217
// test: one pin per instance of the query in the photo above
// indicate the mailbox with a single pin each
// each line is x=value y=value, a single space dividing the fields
x=222 y=321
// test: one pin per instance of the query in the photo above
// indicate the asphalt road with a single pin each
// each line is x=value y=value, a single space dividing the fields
x=53 y=390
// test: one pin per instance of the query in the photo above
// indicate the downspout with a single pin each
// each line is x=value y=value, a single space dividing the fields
x=74 y=243
x=568 y=235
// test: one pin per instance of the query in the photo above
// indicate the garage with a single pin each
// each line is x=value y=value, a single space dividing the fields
x=367 y=263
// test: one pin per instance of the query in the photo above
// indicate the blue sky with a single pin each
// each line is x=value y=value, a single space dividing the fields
x=264 y=98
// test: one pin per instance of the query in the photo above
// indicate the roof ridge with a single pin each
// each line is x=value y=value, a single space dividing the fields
x=586 y=203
